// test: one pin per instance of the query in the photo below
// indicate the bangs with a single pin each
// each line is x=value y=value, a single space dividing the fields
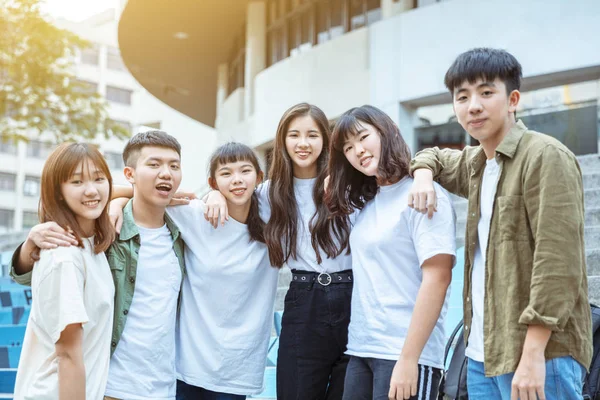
x=347 y=127
x=72 y=155
x=231 y=153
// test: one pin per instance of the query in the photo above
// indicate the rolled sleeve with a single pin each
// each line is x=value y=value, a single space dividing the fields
x=553 y=196
x=23 y=279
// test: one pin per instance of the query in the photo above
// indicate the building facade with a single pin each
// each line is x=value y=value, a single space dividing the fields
x=101 y=67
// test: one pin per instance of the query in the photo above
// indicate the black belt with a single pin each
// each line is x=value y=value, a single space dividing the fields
x=323 y=278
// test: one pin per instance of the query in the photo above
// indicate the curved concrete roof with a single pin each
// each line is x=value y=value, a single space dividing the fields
x=180 y=72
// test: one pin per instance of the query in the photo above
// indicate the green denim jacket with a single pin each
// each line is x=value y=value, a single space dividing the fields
x=122 y=257
x=535 y=266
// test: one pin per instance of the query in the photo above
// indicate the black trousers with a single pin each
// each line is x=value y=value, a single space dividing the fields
x=311 y=364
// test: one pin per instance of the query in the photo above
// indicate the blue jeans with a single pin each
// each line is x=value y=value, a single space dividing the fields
x=189 y=392
x=564 y=381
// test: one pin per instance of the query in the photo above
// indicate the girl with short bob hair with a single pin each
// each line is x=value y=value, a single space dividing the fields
x=302 y=234
x=402 y=262
x=66 y=349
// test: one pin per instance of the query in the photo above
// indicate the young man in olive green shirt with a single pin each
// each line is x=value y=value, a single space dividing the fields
x=526 y=311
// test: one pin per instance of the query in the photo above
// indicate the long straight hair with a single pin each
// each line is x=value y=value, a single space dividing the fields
x=350 y=189
x=234 y=152
x=58 y=169
x=327 y=233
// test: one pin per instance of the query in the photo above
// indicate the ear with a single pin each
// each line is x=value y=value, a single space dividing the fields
x=212 y=183
x=129 y=173
x=259 y=178
x=513 y=101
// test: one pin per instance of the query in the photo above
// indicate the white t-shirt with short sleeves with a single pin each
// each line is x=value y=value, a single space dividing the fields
x=390 y=241
x=226 y=305
x=306 y=259
x=69 y=285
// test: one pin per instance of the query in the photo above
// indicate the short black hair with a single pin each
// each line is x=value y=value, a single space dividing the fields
x=487 y=64
x=156 y=138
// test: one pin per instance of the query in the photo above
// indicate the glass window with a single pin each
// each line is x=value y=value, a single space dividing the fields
x=7 y=181
x=336 y=27
x=30 y=219
x=31 y=186
x=118 y=95
x=8 y=147
x=373 y=11
x=114 y=60
x=323 y=21
x=114 y=160
x=6 y=220
x=91 y=55
x=38 y=149
x=357 y=14
x=86 y=86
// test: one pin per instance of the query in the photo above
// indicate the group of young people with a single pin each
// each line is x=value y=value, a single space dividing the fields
x=178 y=304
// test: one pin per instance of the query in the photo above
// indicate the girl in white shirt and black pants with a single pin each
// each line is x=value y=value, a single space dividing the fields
x=401 y=259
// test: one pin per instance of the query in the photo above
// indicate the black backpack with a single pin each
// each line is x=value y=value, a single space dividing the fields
x=454 y=381
x=591 y=389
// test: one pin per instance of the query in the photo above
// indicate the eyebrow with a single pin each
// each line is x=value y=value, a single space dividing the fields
x=310 y=130
x=226 y=167
x=483 y=84
x=172 y=160
x=356 y=134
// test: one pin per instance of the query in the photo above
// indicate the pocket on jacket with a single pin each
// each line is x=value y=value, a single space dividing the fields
x=512 y=218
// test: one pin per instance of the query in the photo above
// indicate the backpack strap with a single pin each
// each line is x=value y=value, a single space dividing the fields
x=451 y=340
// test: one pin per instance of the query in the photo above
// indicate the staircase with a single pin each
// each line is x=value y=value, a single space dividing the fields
x=590 y=167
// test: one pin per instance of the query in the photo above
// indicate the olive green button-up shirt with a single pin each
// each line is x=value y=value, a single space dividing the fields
x=535 y=272
x=122 y=257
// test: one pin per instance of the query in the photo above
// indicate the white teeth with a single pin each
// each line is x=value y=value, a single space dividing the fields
x=91 y=203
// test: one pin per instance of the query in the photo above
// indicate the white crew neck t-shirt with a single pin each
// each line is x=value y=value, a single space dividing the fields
x=488 y=192
x=390 y=241
x=226 y=305
x=143 y=364
x=69 y=285
x=306 y=257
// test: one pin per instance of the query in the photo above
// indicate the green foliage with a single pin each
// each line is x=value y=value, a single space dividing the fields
x=38 y=91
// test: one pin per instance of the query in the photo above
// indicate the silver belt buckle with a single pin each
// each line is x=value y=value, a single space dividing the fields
x=327 y=278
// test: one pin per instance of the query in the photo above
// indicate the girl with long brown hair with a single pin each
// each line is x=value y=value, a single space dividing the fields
x=402 y=262
x=302 y=234
x=66 y=349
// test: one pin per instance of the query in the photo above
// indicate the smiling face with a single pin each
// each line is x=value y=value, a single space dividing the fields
x=86 y=193
x=363 y=150
x=156 y=176
x=485 y=110
x=304 y=143
x=236 y=181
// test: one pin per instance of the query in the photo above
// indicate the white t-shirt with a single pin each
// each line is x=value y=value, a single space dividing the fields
x=226 y=305
x=143 y=364
x=69 y=285
x=488 y=192
x=390 y=241
x=306 y=257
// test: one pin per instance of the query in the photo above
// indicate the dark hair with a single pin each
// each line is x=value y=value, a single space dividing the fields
x=327 y=233
x=350 y=189
x=487 y=64
x=230 y=153
x=156 y=138
x=58 y=169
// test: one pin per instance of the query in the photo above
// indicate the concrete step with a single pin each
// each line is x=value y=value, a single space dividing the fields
x=592 y=256
x=592 y=216
x=592 y=236
x=592 y=198
x=594 y=289
x=591 y=178
x=589 y=161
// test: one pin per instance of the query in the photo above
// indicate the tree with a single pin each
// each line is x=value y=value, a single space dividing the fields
x=38 y=91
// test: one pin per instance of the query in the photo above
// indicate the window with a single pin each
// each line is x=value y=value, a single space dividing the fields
x=237 y=63
x=6 y=220
x=91 y=55
x=123 y=124
x=114 y=160
x=7 y=181
x=8 y=147
x=297 y=24
x=30 y=219
x=31 y=186
x=118 y=95
x=86 y=87
x=39 y=149
x=114 y=60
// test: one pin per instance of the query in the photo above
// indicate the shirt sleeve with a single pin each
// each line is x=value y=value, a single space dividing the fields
x=436 y=235
x=23 y=279
x=553 y=197
x=61 y=298
x=264 y=206
x=188 y=216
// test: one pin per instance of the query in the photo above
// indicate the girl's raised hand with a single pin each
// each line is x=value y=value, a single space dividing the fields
x=50 y=235
x=115 y=212
x=216 y=208
x=182 y=198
